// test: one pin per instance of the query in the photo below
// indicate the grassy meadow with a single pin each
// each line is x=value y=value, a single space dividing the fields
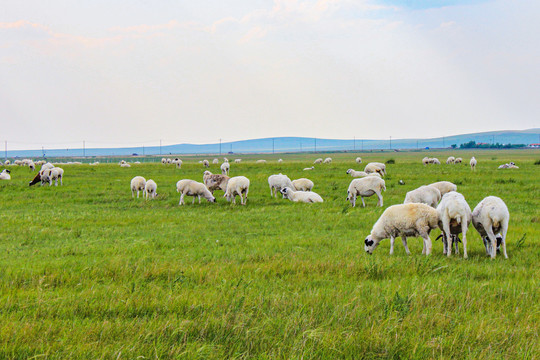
x=88 y=272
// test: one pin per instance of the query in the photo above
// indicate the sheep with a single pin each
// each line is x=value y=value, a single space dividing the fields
x=125 y=165
x=364 y=187
x=454 y=218
x=225 y=160
x=356 y=174
x=7 y=162
x=278 y=182
x=237 y=185
x=318 y=161
x=458 y=160
x=49 y=175
x=382 y=166
x=17 y=162
x=138 y=183
x=260 y=162
x=178 y=163
x=403 y=220
x=372 y=168
x=435 y=161
x=47 y=165
x=490 y=217
x=426 y=160
x=328 y=160
x=215 y=181
x=225 y=168
x=473 y=163
x=215 y=161
x=163 y=160
x=237 y=161
x=425 y=194
x=358 y=160
x=195 y=189
x=280 y=161
x=450 y=160
x=444 y=186
x=31 y=165
x=206 y=163
x=301 y=196
x=169 y=161
x=509 y=165
x=150 y=189
x=309 y=168
x=302 y=184
x=5 y=174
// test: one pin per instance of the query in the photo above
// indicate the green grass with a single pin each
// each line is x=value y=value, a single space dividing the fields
x=89 y=272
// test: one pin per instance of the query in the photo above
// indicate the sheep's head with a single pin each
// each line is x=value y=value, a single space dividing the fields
x=285 y=191
x=370 y=244
x=349 y=171
x=36 y=179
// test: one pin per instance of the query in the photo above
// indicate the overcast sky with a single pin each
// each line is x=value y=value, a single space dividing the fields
x=118 y=72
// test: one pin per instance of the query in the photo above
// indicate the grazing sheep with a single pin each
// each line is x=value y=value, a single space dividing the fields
x=237 y=185
x=215 y=181
x=444 y=186
x=458 y=160
x=215 y=161
x=301 y=196
x=225 y=160
x=46 y=166
x=365 y=187
x=205 y=164
x=169 y=161
x=150 y=189
x=237 y=161
x=454 y=218
x=225 y=168
x=426 y=160
x=31 y=165
x=435 y=161
x=278 y=182
x=260 y=162
x=318 y=161
x=374 y=168
x=125 y=165
x=163 y=160
x=195 y=189
x=280 y=161
x=178 y=163
x=473 y=163
x=328 y=160
x=5 y=174
x=356 y=174
x=450 y=160
x=358 y=160
x=302 y=184
x=425 y=194
x=138 y=183
x=509 y=165
x=7 y=162
x=490 y=217
x=48 y=175
x=309 y=168
x=403 y=220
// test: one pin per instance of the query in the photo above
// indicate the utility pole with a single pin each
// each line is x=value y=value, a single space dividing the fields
x=390 y=142
x=143 y=150
x=160 y=147
x=5 y=150
x=362 y=142
x=219 y=146
x=354 y=143
x=443 y=141
x=416 y=144
x=301 y=145
x=84 y=149
x=273 y=145
x=315 y=144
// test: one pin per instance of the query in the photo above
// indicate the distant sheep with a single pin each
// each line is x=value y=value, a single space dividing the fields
x=444 y=186
x=425 y=194
x=365 y=187
x=328 y=160
x=358 y=160
x=193 y=188
x=5 y=174
x=458 y=160
x=280 y=161
x=509 y=165
x=309 y=168
x=454 y=218
x=125 y=165
x=473 y=163
x=278 y=182
x=491 y=217
x=302 y=184
x=215 y=161
x=137 y=184
x=450 y=160
x=7 y=162
x=215 y=181
x=225 y=168
x=48 y=175
x=301 y=196
x=374 y=168
x=237 y=161
x=260 y=162
x=237 y=185
x=150 y=190
x=403 y=220
x=318 y=161
x=206 y=163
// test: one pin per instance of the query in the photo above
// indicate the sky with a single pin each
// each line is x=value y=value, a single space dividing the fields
x=131 y=73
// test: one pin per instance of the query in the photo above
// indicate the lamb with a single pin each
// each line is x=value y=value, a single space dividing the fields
x=458 y=160
x=260 y=162
x=278 y=182
x=31 y=165
x=454 y=218
x=7 y=162
x=206 y=163
x=49 y=175
x=309 y=168
x=435 y=161
x=364 y=187
x=426 y=160
x=328 y=160
x=169 y=161
x=46 y=166
x=444 y=186
x=5 y=174
x=301 y=196
x=403 y=220
x=225 y=168
x=150 y=189
x=225 y=160
x=215 y=181
x=237 y=161
x=373 y=168
x=178 y=163
x=450 y=160
x=215 y=161
x=195 y=189
x=125 y=165
x=237 y=185
x=163 y=160
x=473 y=163
x=302 y=184
x=382 y=166
x=425 y=194
x=356 y=174
x=318 y=161
x=491 y=217
x=509 y=165
x=138 y=183
x=358 y=160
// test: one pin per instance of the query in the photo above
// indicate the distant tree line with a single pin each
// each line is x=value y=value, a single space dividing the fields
x=474 y=145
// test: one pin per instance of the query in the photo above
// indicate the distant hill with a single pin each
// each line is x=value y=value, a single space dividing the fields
x=297 y=144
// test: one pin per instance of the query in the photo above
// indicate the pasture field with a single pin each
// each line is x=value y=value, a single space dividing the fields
x=88 y=272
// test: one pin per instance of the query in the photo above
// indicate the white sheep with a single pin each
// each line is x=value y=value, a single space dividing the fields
x=163 y=160
x=169 y=161
x=302 y=184
x=473 y=163
x=318 y=161
x=278 y=182
x=137 y=184
x=206 y=163
x=454 y=216
x=31 y=165
x=435 y=161
x=403 y=220
x=48 y=175
x=225 y=168
x=215 y=161
x=237 y=185
x=491 y=217
x=365 y=187
x=509 y=165
x=260 y=162
x=280 y=161
x=328 y=160
x=374 y=167
x=450 y=160
x=125 y=165
x=444 y=186
x=225 y=160
x=178 y=163
x=7 y=162
x=47 y=165
x=301 y=196
x=150 y=189
x=358 y=160
x=426 y=160
x=215 y=181
x=309 y=168
x=458 y=160
x=5 y=174
x=237 y=161
x=425 y=194
x=193 y=188
x=356 y=174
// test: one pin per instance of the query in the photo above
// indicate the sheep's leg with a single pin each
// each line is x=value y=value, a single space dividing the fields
x=404 y=241
x=245 y=201
x=61 y=183
x=464 y=232
x=132 y=193
x=271 y=192
x=380 y=202
x=493 y=242
x=392 y=240
x=445 y=244
x=363 y=202
x=241 y=198
x=353 y=201
x=427 y=243
x=446 y=228
x=181 y=199
x=486 y=245
x=504 y=230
